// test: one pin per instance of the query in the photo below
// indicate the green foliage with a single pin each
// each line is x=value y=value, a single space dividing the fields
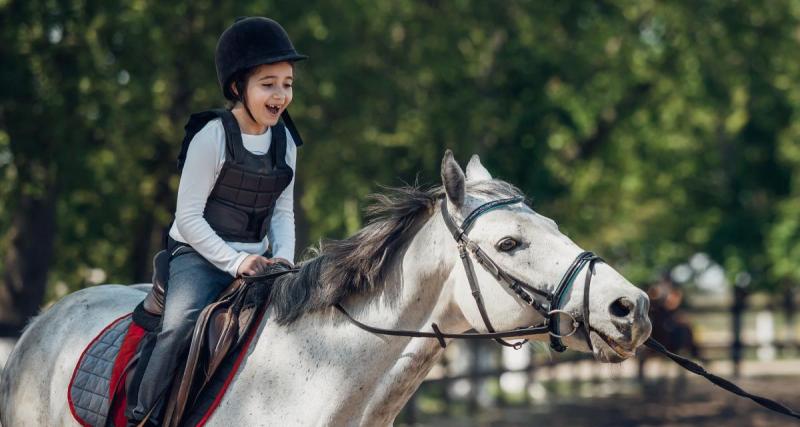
x=648 y=130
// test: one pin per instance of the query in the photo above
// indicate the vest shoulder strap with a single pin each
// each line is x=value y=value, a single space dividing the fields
x=279 y=144
x=233 y=136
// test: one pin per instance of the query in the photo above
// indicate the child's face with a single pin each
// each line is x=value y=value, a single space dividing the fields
x=269 y=92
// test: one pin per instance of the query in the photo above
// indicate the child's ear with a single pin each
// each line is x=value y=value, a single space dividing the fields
x=233 y=89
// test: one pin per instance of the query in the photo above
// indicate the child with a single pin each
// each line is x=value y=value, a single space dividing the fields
x=235 y=196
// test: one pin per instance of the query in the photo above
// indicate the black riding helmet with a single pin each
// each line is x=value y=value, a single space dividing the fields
x=252 y=41
x=249 y=42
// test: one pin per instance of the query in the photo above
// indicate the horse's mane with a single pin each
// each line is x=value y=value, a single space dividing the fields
x=361 y=262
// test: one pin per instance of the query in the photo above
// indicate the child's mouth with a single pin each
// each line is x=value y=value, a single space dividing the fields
x=273 y=109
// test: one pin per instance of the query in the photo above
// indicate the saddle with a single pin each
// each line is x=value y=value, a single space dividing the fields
x=220 y=328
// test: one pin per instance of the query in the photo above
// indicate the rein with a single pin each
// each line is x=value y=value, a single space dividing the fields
x=719 y=381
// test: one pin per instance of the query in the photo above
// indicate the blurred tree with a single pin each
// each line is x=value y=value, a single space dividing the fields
x=648 y=130
x=42 y=126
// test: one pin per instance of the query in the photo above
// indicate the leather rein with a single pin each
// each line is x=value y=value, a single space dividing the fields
x=550 y=308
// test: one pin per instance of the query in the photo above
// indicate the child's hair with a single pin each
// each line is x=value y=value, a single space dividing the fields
x=239 y=81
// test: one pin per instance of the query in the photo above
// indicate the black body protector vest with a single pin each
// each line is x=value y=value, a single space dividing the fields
x=240 y=206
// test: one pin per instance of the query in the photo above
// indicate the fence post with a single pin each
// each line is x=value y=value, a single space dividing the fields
x=474 y=378
x=501 y=401
x=411 y=410
x=789 y=309
x=448 y=408
x=739 y=303
x=530 y=374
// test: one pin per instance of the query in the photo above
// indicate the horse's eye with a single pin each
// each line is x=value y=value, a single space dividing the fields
x=507 y=244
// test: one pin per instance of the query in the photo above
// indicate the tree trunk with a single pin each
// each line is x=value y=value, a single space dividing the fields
x=27 y=261
x=147 y=227
x=737 y=311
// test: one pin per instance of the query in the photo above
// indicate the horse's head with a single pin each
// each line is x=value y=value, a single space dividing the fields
x=529 y=247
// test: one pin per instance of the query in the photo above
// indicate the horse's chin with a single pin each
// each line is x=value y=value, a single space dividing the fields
x=606 y=350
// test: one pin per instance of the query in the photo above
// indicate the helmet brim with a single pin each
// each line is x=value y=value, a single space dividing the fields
x=290 y=57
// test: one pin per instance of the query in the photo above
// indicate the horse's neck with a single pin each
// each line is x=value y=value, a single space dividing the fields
x=424 y=297
x=375 y=374
x=412 y=364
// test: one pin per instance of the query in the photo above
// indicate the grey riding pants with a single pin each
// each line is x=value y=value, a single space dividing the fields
x=193 y=284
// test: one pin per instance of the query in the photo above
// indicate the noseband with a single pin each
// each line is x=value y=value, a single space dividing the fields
x=551 y=309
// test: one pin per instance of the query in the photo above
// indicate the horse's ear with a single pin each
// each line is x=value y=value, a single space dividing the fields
x=476 y=171
x=453 y=180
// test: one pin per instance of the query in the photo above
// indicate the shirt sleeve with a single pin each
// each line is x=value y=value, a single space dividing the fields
x=203 y=160
x=282 y=228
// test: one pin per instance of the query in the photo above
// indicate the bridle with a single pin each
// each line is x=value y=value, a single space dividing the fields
x=551 y=309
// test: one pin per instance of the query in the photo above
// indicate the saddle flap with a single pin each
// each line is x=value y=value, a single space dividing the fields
x=221 y=327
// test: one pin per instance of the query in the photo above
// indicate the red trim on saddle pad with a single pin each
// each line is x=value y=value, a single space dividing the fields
x=131 y=341
x=77 y=365
x=119 y=374
x=253 y=330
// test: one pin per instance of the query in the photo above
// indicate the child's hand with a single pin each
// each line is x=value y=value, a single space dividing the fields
x=252 y=265
x=283 y=261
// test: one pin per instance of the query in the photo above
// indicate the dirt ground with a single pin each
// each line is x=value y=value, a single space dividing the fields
x=664 y=403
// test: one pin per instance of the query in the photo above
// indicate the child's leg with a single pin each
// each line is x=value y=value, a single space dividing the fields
x=193 y=284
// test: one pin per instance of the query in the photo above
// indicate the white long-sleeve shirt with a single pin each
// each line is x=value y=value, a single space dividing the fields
x=204 y=160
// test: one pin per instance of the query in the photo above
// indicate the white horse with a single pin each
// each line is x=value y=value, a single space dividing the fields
x=309 y=365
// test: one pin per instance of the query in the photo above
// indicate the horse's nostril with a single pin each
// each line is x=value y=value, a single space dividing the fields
x=621 y=307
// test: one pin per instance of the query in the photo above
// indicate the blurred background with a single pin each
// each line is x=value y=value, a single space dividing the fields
x=662 y=135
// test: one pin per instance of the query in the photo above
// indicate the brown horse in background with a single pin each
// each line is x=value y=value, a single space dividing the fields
x=670 y=324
